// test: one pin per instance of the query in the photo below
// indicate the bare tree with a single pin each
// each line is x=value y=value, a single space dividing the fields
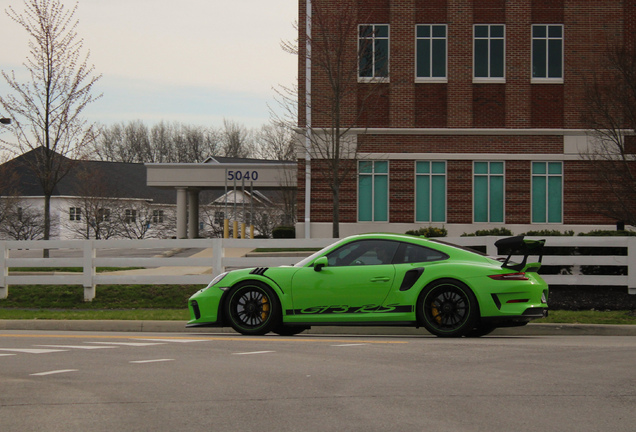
x=338 y=102
x=236 y=140
x=46 y=110
x=610 y=113
x=23 y=223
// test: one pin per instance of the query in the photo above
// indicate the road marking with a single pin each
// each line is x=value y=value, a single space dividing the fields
x=174 y=340
x=151 y=361
x=54 y=372
x=31 y=350
x=6 y=355
x=84 y=347
x=133 y=344
x=254 y=352
x=348 y=345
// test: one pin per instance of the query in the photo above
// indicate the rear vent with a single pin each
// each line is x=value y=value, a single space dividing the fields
x=259 y=271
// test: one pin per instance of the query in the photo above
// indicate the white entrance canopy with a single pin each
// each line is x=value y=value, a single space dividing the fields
x=188 y=179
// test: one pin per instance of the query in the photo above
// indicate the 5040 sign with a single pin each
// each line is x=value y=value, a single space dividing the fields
x=242 y=175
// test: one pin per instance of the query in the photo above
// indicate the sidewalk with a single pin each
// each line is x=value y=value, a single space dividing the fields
x=179 y=327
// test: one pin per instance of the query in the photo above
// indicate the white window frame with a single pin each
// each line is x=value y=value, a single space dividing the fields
x=489 y=79
x=547 y=80
x=373 y=38
x=75 y=214
x=431 y=38
x=430 y=204
x=373 y=174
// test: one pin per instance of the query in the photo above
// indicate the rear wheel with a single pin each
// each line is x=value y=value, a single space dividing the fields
x=448 y=308
x=252 y=308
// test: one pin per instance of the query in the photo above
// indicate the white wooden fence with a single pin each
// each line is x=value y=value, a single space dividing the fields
x=165 y=269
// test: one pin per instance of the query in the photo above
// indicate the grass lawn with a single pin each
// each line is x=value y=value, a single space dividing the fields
x=169 y=302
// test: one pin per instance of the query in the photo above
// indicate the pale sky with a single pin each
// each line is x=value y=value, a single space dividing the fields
x=192 y=61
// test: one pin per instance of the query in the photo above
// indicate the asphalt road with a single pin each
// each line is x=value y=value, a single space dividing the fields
x=83 y=381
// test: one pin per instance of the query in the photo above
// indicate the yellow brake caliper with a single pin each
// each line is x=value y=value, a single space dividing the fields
x=265 y=308
x=435 y=313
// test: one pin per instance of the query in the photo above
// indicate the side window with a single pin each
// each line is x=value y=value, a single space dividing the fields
x=410 y=253
x=363 y=252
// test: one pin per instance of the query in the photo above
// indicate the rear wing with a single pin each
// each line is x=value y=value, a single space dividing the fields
x=518 y=246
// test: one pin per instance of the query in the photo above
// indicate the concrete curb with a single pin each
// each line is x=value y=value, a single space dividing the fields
x=179 y=327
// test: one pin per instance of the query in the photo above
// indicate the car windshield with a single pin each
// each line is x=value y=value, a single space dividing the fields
x=315 y=255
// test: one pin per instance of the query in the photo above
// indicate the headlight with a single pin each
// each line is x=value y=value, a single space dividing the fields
x=217 y=279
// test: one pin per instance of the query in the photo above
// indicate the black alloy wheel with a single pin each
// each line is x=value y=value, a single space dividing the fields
x=252 y=308
x=448 y=308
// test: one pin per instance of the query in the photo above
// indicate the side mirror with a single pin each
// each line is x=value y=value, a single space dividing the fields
x=320 y=263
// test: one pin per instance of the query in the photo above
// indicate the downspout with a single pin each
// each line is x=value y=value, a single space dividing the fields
x=308 y=121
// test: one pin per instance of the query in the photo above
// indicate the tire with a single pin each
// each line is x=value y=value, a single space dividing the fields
x=252 y=308
x=482 y=329
x=287 y=330
x=448 y=308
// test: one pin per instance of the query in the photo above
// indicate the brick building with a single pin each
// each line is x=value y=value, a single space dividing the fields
x=474 y=114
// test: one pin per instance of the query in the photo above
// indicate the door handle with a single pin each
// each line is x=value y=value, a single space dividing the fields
x=380 y=279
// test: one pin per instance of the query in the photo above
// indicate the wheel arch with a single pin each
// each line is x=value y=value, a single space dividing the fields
x=249 y=278
x=430 y=284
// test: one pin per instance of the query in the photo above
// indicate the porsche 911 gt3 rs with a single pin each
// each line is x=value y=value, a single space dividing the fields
x=381 y=279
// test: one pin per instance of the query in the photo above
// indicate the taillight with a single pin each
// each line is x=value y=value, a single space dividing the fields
x=509 y=276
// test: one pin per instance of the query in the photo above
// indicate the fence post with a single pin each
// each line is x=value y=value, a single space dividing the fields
x=88 y=264
x=631 y=265
x=217 y=256
x=4 y=270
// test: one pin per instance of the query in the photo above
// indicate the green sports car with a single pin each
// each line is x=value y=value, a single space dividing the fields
x=381 y=279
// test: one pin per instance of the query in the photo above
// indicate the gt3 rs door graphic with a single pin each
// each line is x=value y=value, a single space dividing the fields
x=336 y=292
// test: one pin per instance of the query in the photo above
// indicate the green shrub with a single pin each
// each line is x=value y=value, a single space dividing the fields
x=614 y=233
x=491 y=232
x=284 y=232
x=549 y=233
x=429 y=232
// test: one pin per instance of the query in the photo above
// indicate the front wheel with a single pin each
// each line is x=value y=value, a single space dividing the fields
x=252 y=308
x=448 y=308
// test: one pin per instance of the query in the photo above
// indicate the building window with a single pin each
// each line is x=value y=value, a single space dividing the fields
x=547 y=192
x=430 y=191
x=547 y=52
x=131 y=216
x=157 y=216
x=75 y=214
x=219 y=217
x=373 y=191
x=373 y=51
x=489 y=51
x=488 y=192
x=103 y=215
x=430 y=52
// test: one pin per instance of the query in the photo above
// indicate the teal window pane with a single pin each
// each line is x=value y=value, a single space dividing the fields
x=382 y=31
x=496 y=199
x=366 y=31
x=497 y=58
x=555 y=58
x=423 y=31
x=439 y=168
x=539 y=199
x=381 y=167
x=423 y=58
x=481 y=58
x=496 y=168
x=555 y=168
x=439 y=31
x=497 y=31
x=539 y=168
x=365 y=198
x=380 y=199
x=555 y=31
x=481 y=31
x=365 y=167
x=538 y=31
x=382 y=58
x=481 y=167
x=539 y=65
x=555 y=199
x=366 y=60
x=423 y=167
x=439 y=58
x=438 y=204
x=481 y=199
x=423 y=198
